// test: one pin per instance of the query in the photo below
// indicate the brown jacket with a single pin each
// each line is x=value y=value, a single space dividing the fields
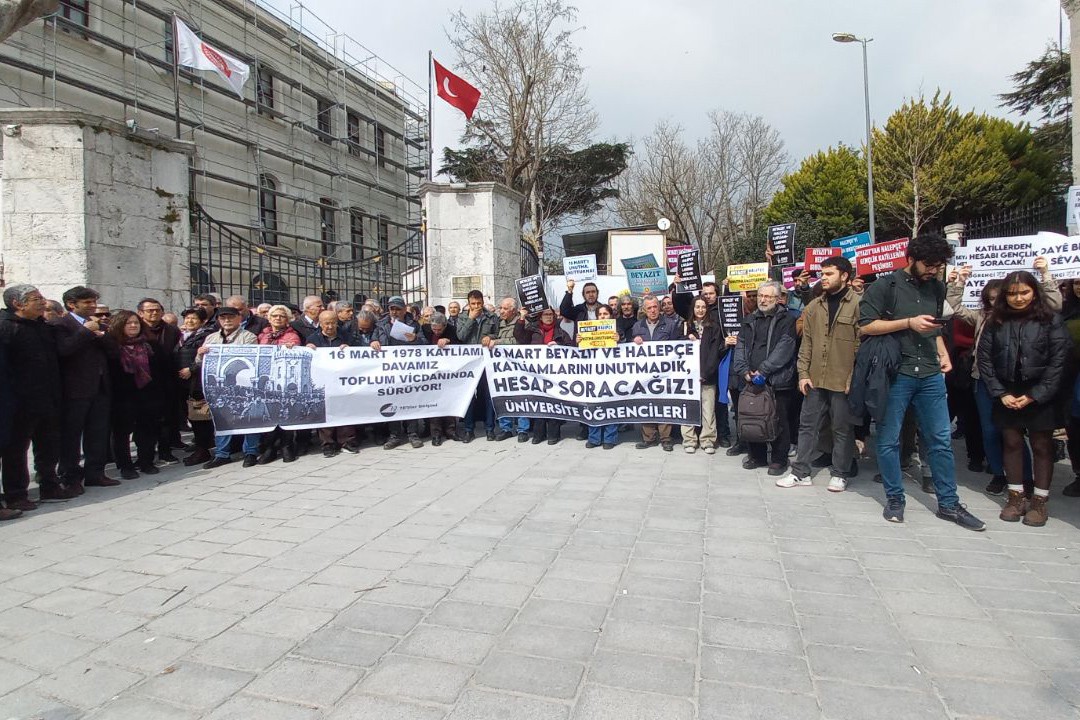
x=827 y=354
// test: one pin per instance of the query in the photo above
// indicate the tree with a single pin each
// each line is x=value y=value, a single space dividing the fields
x=713 y=193
x=16 y=14
x=1045 y=86
x=534 y=106
x=826 y=196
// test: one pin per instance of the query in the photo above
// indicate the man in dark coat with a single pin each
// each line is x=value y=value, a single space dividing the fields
x=84 y=371
x=7 y=407
x=164 y=338
x=35 y=377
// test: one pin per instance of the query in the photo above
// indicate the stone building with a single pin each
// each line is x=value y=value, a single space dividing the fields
x=307 y=184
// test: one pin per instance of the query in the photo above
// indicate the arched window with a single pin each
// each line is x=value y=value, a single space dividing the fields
x=356 y=234
x=327 y=226
x=268 y=209
x=201 y=282
x=269 y=287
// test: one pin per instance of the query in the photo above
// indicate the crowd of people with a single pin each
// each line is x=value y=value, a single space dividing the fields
x=80 y=384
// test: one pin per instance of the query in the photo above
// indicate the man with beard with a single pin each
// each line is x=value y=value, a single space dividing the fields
x=907 y=304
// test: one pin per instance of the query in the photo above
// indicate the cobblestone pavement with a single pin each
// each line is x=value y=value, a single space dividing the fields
x=522 y=582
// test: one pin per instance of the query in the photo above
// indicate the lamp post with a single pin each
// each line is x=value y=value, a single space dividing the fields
x=849 y=38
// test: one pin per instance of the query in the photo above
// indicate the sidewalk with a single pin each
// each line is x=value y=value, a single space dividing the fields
x=522 y=582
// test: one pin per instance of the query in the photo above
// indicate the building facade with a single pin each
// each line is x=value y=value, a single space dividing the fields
x=308 y=184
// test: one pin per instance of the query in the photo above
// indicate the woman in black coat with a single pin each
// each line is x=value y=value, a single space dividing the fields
x=139 y=372
x=1021 y=356
x=192 y=334
x=545 y=331
x=704 y=329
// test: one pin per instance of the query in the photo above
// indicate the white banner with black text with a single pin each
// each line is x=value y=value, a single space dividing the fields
x=655 y=382
x=254 y=388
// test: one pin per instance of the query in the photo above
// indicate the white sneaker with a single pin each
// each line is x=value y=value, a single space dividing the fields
x=793 y=480
x=689 y=449
x=708 y=450
x=837 y=484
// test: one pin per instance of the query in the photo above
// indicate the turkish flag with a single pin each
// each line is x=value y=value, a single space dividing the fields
x=456 y=91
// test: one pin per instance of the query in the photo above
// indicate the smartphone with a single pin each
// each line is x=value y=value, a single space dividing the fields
x=939 y=321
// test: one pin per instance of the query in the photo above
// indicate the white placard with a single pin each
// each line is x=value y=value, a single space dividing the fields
x=579 y=267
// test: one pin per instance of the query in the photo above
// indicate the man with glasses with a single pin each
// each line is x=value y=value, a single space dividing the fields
x=908 y=305
x=765 y=355
x=164 y=338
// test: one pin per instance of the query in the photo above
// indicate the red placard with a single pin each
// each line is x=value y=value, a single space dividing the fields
x=881 y=258
x=814 y=256
x=673 y=252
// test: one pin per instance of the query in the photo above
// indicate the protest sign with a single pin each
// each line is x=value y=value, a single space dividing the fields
x=579 y=267
x=731 y=312
x=1072 y=209
x=689 y=272
x=639 y=262
x=789 y=274
x=597 y=333
x=532 y=294
x=647 y=281
x=782 y=244
x=747 y=276
x=254 y=388
x=655 y=382
x=848 y=245
x=673 y=252
x=814 y=256
x=992 y=258
x=1062 y=254
x=881 y=257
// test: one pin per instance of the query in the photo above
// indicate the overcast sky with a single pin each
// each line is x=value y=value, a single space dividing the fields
x=678 y=59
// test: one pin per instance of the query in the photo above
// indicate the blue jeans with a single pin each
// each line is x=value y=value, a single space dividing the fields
x=927 y=396
x=221 y=444
x=604 y=434
x=992 y=436
x=506 y=424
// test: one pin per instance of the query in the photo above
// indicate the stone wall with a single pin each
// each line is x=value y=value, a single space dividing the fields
x=85 y=202
x=472 y=229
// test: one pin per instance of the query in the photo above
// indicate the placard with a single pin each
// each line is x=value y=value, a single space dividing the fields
x=639 y=262
x=747 y=277
x=731 y=313
x=1072 y=209
x=782 y=244
x=881 y=257
x=255 y=388
x=532 y=294
x=992 y=258
x=655 y=382
x=789 y=274
x=673 y=252
x=647 y=281
x=1062 y=254
x=848 y=245
x=814 y=257
x=597 y=333
x=579 y=267
x=689 y=272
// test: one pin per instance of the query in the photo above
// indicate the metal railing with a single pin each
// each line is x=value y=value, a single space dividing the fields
x=224 y=260
x=530 y=263
x=1047 y=214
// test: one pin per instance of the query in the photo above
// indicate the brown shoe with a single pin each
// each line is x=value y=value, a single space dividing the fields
x=9 y=514
x=1015 y=507
x=102 y=481
x=25 y=504
x=56 y=492
x=1036 y=515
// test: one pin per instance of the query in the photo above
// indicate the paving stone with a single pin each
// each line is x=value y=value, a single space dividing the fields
x=547 y=641
x=133 y=707
x=555 y=588
x=12 y=676
x=774 y=671
x=538 y=676
x=724 y=701
x=100 y=624
x=447 y=644
x=287 y=622
x=560 y=613
x=605 y=703
x=416 y=678
x=143 y=651
x=620 y=635
x=845 y=701
x=952 y=659
x=306 y=682
x=195 y=685
x=483 y=705
x=46 y=651
x=920 y=603
x=319 y=597
x=839 y=631
x=643 y=672
x=87 y=684
x=868 y=668
x=244 y=707
x=355 y=706
x=241 y=650
x=491 y=592
x=663 y=612
x=776 y=612
x=661 y=587
x=752 y=636
x=445 y=575
x=193 y=623
x=471 y=616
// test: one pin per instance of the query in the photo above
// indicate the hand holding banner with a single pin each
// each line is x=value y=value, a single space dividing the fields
x=747 y=277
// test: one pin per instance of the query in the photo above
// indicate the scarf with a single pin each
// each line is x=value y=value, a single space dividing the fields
x=272 y=336
x=135 y=360
x=549 y=332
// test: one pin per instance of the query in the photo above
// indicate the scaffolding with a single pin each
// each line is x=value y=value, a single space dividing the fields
x=332 y=137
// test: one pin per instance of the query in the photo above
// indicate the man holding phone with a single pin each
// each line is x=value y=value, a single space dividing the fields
x=908 y=304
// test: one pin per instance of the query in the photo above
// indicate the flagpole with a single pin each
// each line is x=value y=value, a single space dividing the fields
x=430 y=100
x=176 y=75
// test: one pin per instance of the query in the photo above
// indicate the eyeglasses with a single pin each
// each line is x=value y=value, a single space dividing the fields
x=102 y=315
x=768 y=297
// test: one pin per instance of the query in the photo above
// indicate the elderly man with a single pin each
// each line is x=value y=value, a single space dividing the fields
x=263 y=310
x=329 y=335
x=164 y=338
x=250 y=321
x=53 y=311
x=346 y=315
x=385 y=334
x=506 y=334
x=35 y=380
x=229 y=333
x=84 y=369
x=440 y=332
x=453 y=313
x=308 y=323
x=654 y=327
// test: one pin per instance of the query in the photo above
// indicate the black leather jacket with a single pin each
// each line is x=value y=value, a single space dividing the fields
x=1020 y=352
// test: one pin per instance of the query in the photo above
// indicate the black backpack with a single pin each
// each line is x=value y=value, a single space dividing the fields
x=759 y=419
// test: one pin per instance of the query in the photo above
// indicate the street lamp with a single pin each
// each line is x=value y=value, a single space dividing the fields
x=849 y=38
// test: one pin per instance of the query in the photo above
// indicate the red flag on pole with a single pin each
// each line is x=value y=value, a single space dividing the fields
x=455 y=91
